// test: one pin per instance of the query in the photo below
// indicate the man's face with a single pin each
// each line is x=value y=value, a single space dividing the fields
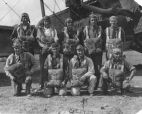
x=66 y=49
x=18 y=50
x=113 y=22
x=117 y=55
x=69 y=24
x=80 y=53
x=54 y=51
x=47 y=23
x=25 y=19
x=93 y=21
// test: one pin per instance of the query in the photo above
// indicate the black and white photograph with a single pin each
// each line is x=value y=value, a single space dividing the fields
x=70 y=56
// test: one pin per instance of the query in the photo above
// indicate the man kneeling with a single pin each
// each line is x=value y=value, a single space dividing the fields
x=114 y=72
x=55 y=73
x=19 y=67
x=81 y=71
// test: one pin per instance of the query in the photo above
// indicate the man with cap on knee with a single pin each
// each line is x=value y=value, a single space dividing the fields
x=81 y=71
x=114 y=71
x=20 y=67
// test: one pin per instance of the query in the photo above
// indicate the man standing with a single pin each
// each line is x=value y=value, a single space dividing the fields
x=70 y=40
x=69 y=30
x=93 y=36
x=20 y=66
x=115 y=36
x=70 y=35
x=26 y=33
x=115 y=70
x=46 y=35
x=82 y=70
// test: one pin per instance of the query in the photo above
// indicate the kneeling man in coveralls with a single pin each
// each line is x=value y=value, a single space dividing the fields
x=20 y=67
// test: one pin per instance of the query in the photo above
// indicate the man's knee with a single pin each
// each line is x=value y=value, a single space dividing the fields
x=75 y=91
x=104 y=76
x=63 y=92
x=93 y=78
x=28 y=80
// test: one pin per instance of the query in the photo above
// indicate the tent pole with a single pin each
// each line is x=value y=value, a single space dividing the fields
x=42 y=8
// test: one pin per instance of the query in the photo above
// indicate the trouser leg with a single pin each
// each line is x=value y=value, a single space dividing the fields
x=28 y=82
x=92 y=84
x=17 y=87
x=65 y=68
x=43 y=77
x=97 y=74
x=97 y=61
x=31 y=50
x=104 y=84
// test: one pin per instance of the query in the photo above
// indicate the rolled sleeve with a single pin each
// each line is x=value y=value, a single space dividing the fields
x=8 y=63
x=105 y=68
x=34 y=63
x=56 y=36
x=128 y=66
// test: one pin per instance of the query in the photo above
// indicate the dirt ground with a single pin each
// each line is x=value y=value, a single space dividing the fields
x=129 y=103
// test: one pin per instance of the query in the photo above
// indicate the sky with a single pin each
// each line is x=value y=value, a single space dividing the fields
x=139 y=2
x=32 y=7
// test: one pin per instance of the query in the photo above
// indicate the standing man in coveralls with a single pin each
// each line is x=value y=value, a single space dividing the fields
x=94 y=32
x=26 y=33
x=46 y=36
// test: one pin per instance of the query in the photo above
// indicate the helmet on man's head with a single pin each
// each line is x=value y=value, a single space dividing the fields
x=92 y=15
x=116 y=54
x=55 y=46
x=80 y=47
x=17 y=43
x=25 y=15
x=47 y=18
x=116 y=50
x=69 y=19
x=113 y=18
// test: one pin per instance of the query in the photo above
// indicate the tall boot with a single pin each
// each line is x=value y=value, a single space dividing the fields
x=92 y=84
x=28 y=85
x=105 y=86
x=16 y=88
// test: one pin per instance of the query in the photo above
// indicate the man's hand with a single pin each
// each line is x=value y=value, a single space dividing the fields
x=12 y=78
x=98 y=50
x=23 y=38
x=83 y=78
x=28 y=73
x=63 y=84
x=105 y=75
x=128 y=79
x=30 y=38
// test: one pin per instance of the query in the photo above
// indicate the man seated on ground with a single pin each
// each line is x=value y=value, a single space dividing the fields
x=20 y=67
x=55 y=71
x=115 y=70
x=81 y=71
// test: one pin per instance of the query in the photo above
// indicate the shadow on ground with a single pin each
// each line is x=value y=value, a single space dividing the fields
x=4 y=80
x=135 y=92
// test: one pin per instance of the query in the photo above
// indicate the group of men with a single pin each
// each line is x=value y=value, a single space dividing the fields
x=70 y=59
